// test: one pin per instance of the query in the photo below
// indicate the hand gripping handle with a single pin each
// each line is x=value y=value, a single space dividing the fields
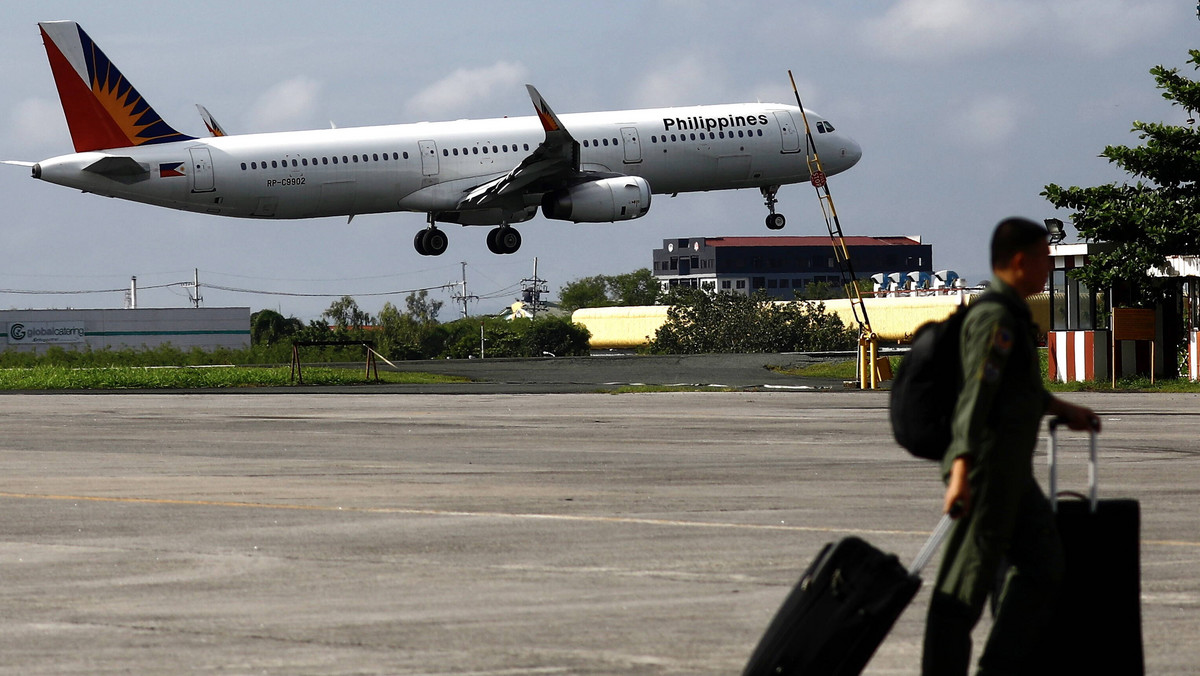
x=1053 y=460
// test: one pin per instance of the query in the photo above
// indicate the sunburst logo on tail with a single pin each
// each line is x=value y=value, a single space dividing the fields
x=103 y=109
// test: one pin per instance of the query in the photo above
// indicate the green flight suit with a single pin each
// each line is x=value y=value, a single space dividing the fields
x=996 y=423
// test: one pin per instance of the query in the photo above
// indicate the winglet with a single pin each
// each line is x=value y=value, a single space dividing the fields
x=103 y=109
x=214 y=127
x=550 y=121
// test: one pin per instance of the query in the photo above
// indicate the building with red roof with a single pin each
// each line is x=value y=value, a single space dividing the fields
x=781 y=266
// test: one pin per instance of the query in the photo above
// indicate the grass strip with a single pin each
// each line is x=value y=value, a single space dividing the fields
x=192 y=377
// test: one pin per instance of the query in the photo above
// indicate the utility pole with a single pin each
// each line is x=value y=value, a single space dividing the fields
x=195 y=298
x=532 y=289
x=464 y=297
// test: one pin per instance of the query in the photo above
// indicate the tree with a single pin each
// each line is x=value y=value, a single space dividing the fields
x=632 y=288
x=268 y=327
x=701 y=322
x=639 y=287
x=1157 y=216
x=585 y=292
x=346 y=315
x=413 y=334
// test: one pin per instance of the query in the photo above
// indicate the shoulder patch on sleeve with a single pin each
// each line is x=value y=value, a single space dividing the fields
x=1002 y=340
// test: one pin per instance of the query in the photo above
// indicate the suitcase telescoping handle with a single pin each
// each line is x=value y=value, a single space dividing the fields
x=1053 y=460
x=931 y=545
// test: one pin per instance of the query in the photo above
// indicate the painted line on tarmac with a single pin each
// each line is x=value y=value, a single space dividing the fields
x=581 y=518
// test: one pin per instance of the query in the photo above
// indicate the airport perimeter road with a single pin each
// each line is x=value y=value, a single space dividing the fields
x=492 y=534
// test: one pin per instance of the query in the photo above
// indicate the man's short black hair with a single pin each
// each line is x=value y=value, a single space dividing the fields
x=1012 y=236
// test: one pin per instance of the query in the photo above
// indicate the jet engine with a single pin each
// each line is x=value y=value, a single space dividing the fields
x=601 y=201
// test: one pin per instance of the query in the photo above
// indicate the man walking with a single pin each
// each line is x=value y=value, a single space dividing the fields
x=1002 y=513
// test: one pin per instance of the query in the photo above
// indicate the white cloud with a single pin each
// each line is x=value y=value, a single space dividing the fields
x=920 y=29
x=288 y=105
x=454 y=93
x=1103 y=27
x=986 y=122
x=932 y=29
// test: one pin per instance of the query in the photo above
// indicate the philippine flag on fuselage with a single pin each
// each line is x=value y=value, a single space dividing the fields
x=170 y=169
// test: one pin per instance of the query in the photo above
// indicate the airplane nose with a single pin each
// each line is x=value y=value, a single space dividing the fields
x=851 y=152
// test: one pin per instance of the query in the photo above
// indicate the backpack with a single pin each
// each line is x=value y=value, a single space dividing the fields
x=928 y=381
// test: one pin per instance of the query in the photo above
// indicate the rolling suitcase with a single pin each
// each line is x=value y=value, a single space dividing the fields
x=1097 y=625
x=840 y=610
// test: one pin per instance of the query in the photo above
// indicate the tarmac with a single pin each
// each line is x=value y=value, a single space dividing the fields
x=381 y=531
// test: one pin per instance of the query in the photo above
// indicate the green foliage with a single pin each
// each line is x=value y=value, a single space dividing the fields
x=268 y=327
x=412 y=334
x=558 y=336
x=585 y=292
x=347 y=318
x=639 y=287
x=700 y=322
x=632 y=288
x=516 y=338
x=47 y=377
x=1157 y=216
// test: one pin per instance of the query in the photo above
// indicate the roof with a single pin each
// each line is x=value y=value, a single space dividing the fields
x=810 y=241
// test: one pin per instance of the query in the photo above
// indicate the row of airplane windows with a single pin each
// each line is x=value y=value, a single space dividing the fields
x=742 y=133
x=476 y=150
x=376 y=157
x=345 y=159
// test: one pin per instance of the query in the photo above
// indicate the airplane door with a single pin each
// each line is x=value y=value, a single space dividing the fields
x=429 y=158
x=202 y=170
x=633 y=147
x=791 y=135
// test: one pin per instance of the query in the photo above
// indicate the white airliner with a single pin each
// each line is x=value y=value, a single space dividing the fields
x=586 y=167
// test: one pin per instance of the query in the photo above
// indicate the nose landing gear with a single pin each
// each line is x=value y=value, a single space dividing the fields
x=774 y=221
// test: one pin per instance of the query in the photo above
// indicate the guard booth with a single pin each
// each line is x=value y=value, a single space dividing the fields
x=1186 y=270
x=1089 y=338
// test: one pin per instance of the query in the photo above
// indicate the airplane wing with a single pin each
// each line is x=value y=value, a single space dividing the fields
x=555 y=162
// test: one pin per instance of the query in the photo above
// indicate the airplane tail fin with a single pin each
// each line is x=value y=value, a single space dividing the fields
x=103 y=109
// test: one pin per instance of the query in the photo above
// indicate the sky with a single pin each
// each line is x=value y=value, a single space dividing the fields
x=965 y=110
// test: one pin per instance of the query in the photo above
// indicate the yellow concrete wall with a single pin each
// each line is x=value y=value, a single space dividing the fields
x=892 y=318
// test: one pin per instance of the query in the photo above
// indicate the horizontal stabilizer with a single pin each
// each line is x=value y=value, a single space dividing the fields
x=17 y=163
x=117 y=166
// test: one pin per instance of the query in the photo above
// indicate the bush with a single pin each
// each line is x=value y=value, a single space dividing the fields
x=700 y=322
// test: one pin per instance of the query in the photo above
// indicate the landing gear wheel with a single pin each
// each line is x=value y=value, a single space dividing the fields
x=419 y=243
x=776 y=221
x=503 y=240
x=434 y=242
x=508 y=240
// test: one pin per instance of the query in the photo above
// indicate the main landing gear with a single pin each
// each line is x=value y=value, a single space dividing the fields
x=431 y=241
x=503 y=240
x=774 y=221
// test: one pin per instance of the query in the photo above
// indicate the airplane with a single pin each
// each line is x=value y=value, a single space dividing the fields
x=594 y=167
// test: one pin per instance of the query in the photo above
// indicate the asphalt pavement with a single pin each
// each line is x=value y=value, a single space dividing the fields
x=375 y=532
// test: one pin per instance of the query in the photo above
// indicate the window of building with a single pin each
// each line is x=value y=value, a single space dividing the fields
x=741 y=283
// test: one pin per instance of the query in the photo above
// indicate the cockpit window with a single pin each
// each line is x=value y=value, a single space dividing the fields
x=824 y=126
